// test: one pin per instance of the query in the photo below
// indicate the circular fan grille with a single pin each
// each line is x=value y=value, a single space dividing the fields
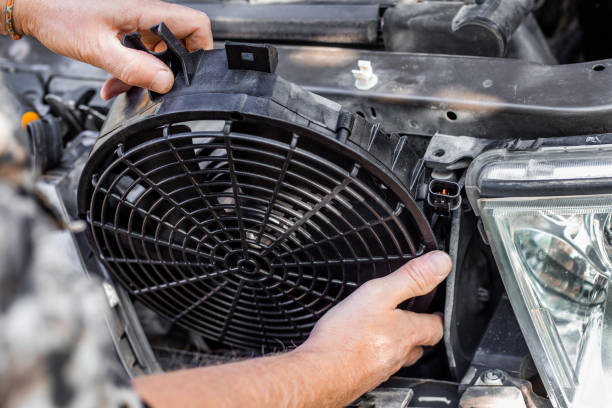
x=245 y=238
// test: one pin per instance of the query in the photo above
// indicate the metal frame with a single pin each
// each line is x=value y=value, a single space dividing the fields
x=461 y=96
x=490 y=97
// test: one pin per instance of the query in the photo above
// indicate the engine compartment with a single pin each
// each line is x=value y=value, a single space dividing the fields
x=428 y=116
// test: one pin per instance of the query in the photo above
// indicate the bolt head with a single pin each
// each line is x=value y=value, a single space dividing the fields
x=493 y=377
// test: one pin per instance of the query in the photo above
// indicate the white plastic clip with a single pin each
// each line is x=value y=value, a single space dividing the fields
x=364 y=76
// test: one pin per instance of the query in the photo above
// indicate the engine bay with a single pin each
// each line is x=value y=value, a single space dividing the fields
x=228 y=215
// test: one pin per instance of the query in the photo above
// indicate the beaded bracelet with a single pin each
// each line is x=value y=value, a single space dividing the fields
x=8 y=18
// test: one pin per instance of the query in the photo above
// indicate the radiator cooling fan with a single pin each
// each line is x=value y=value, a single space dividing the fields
x=242 y=207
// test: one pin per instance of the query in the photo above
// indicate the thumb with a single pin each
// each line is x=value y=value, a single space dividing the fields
x=136 y=68
x=416 y=278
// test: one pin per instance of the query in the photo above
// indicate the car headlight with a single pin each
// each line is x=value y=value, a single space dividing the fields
x=548 y=217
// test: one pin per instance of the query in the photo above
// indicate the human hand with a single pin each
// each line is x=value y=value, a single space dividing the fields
x=354 y=347
x=91 y=31
x=369 y=335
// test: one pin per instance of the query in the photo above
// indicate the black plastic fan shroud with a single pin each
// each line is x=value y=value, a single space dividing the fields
x=243 y=207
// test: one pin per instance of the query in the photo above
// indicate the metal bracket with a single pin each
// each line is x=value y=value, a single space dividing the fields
x=448 y=151
x=176 y=56
x=493 y=387
x=386 y=397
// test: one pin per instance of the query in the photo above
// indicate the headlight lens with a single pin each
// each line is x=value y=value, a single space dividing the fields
x=554 y=253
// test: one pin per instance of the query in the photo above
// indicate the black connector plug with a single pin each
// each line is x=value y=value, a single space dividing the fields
x=444 y=195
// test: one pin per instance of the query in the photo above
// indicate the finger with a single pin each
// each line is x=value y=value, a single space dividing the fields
x=152 y=41
x=135 y=68
x=113 y=87
x=160 y=47
x=155 y=44
x=425 y=329
x=414 y=356
x=418 y=277
x=185 y=23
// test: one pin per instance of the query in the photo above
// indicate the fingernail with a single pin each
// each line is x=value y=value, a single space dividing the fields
x=441 y=262
x=162 y=82
x=104 y=94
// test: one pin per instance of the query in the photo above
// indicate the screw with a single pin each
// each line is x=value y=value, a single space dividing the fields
x=493 y=377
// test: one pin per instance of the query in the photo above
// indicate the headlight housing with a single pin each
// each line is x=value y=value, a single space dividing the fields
x=548 y=217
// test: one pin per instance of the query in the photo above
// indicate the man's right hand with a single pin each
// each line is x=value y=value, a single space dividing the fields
x=370 y=335
x=357 y=345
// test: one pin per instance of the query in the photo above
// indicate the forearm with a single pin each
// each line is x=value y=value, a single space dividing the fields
x=354 y=347
x=295 y=379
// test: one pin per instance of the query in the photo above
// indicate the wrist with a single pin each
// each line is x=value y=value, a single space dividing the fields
x=22 y=17
x=357 y=376
x=367 y=365
x=3 y=29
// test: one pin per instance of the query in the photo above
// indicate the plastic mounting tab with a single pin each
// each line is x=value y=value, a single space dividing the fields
x=175 y=56
x=253 y=57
